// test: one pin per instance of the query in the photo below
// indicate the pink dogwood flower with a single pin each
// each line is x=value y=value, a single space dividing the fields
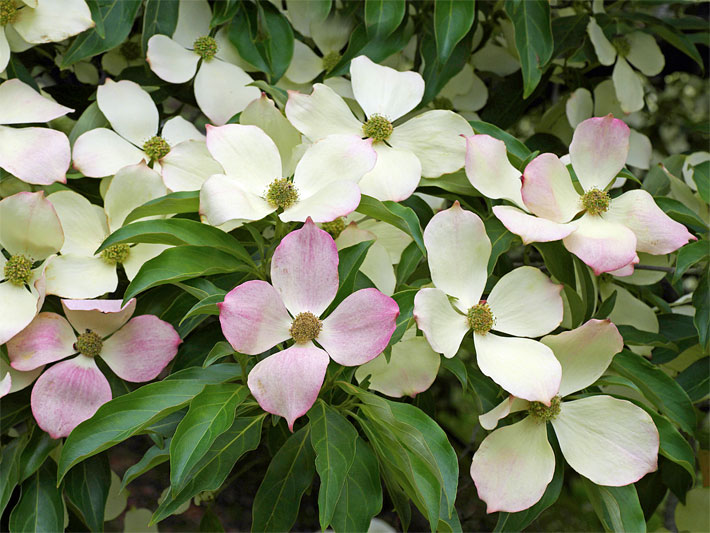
x=524 y=303
x=610 y=231
x=256 y=316
x=71 y=391
x=611 y=442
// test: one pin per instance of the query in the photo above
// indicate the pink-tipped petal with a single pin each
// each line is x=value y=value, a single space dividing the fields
x=584 y=353
x=443 y=327
x=141 y=349
x=530 y=228
x=21 y=104
x=603 y=245
x=458 y=250
x=612 y=442
x=48 y=338
x=656 y=233
x=67 y=394
x=287 y=383
x=548 y=191
x=490 y=172
x=254 y=318
x=513 y=466
x=599 y=150
x=103 y=317
x=359 y=328
x=304 y=269
x=526 y=303
x=29 y=226
x=524 y=367
x=20 y=156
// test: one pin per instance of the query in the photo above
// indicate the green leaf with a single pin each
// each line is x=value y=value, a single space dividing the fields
x=38 y=448
x=86 y=488
x=170 y=204
x=617 y=508
x=351 y=259
x=219 y=350
x=289 y=474
x=455 y=182
x=127 y=415
x=558 y=261
x=116 y=17
x=689 y=255
x=513 y=145
x=333 y=439
x=672 y=444
x=681 y=213
x=659 y=388
x=397 y=215
x=156 y=455
x=159 y=17
x=533 y=38
x=522 y=519
x=10 y=468
x=695 y=379
x=15 y=409
x=361 y=497
x=15 y=69
x=701 y=301
x=638 y=337
x=606 y=307
x=569 y=33
x=211 y=413
x=501 y=240
x=90 y=119
x=383 y=16
x=452 y=21
x=206 y=306
x=457 y=367
x=701 y=176
x=408 y=263
x=177 y=232
x=405 y=301
x=209 y=474
x=40 y=507
x=223 y=11
x=96 y=17
x=182 y=263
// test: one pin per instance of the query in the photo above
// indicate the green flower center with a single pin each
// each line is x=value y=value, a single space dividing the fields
x=89 y=344
x=282 y=193
x=596 y=202
x=18 y=270
x=305 y=327
x=480 y=318
x=131 y=50
x=544 y=413
x=443 y=103
x=335 y=228
x=205 y=47
x=8 y=12
x=330 y=60
x=622 y=45
x=156 y=148
x=116 y=253
x=377 y=128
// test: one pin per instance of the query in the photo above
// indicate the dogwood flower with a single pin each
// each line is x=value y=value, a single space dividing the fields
x=70 y=392
x=253 y=186
x=610 y=231
x=256 y=316
x=609 y=441
x=134 y=118
x=41 y=21
x=221 y=87
x=80 y=273
x=34 y=155
x=427 y=145
x=524 y=303
x=30 y=232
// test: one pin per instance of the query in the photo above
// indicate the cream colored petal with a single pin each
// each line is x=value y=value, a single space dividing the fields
x=75 y=276
x=644 y=53
x=130 y=110
x=131 y=187
x=221 y=90
x=53 y=20
x=628 y=85
x=193 y=21
x=84 y=224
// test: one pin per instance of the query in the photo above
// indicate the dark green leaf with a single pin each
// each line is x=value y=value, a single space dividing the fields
x=210 y=522
x=533 y=38
x=211 y=413
x=558 y=261
x=397 y=215
x=637 y=337
x=223 y=11
x=155 y=456
x=170 y=204
x=452 y=21
x=701 y=176
x=701 y=301
x=86 y=487
x=159 y=17
x=289 y=474
x=333 y=439
x=38 y=448
x=569 y=33
x=501 y=240
x=351 y=259
x=131 y=413
x=40 y=507
x=681 y=213
x=96 y=17
x=206 y=306
x=10 y=468
x=617 y=508
x=90 y=119
x=437 y=74
x=15 y=409
x=117 y=19
x=695 y=379
x=672 y=444
x=408 y=262
x=405 y=301
x=383 y=16
x=457 y=368
x=15 y=69
x=219 y=350
x=689 y=255
x=606 y=307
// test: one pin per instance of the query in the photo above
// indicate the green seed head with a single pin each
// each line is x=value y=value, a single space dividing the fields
x=205 y=47
x=543 y=413
x=8 y=12
x=377 y=128
x=282 y=193
x=18 y=270
x=116 y=253
x=335 y=228
x=622 y=45
x=89 y=344
x=131 y=50
x=305 y=327
x=330 y=60
x=156 y=148
x=443 y=103
x=596 y=202
x=480 y=318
